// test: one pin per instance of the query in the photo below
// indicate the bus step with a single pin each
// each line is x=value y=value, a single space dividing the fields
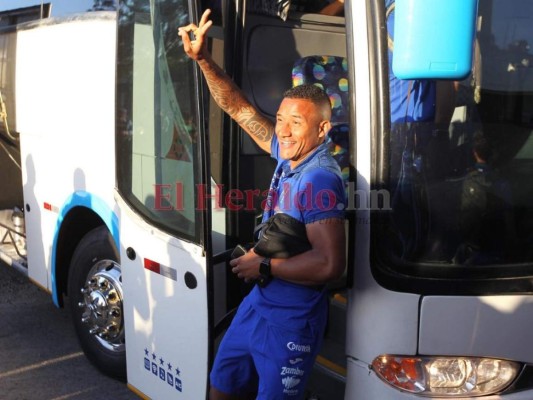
x=336 y=329
x=327 y=381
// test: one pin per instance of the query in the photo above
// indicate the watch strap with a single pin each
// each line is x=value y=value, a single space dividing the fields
x=265 y=273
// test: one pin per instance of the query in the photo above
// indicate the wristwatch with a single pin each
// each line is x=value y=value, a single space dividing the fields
x=264 y=272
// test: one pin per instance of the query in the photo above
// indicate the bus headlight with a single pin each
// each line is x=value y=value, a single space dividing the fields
x=446 y=376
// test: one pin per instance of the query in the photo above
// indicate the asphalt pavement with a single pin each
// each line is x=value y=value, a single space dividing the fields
x=40 y=358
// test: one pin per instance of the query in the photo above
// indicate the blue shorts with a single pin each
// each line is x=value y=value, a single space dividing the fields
x=257 y=356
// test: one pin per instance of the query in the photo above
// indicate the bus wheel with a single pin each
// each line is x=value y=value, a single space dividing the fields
x=96 y=302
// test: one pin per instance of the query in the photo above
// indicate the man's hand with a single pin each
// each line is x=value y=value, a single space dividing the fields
x=197 y=48
x=247 y=266
x=225 y=92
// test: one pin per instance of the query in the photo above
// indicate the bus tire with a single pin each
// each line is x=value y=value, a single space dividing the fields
x=96 y=302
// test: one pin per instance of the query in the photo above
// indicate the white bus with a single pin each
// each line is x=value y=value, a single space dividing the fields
x=136 y=187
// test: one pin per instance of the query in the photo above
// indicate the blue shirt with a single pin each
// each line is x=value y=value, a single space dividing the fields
x=311 y=192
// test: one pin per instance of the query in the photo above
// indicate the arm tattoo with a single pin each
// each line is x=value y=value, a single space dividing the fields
x=230 y=99
x=255 y=124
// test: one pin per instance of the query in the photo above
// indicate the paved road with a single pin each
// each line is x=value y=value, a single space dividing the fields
x=40 y=358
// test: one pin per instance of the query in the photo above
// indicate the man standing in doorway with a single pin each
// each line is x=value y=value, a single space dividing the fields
x=269 y=350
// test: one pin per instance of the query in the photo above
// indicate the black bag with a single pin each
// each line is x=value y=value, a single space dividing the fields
x=281 y=236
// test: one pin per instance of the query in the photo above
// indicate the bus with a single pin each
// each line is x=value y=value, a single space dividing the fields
x=134 y=187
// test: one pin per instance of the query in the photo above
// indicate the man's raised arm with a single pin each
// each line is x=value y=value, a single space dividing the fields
x=225 y=92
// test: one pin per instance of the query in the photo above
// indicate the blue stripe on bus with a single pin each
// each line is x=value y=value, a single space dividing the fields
x=94 y=203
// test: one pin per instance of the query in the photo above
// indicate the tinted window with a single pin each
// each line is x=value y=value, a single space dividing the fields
x=460 y=164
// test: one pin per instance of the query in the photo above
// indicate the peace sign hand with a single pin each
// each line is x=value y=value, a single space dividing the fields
x=196 y=48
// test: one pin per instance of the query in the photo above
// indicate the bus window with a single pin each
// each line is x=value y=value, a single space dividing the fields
x=157 y=122
x=460 y=191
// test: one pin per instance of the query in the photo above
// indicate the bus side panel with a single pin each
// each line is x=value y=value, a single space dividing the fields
x=65 y=115
x=380 y=322
x=472 y=326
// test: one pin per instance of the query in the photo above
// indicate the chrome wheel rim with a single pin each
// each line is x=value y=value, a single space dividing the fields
x=102 y=305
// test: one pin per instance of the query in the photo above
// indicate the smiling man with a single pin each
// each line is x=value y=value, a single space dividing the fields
x=269 y=350
x=303 y=109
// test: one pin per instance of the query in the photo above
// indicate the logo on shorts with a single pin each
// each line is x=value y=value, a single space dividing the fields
x=290 y=382
x=291 y=371
x=299 y=347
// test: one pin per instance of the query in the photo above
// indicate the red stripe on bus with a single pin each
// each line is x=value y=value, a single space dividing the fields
x=152 y=265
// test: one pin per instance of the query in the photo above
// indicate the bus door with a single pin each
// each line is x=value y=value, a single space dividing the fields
x=313 y=52
x=164 y=232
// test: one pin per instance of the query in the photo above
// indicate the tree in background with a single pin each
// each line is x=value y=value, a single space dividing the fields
x=104 y=5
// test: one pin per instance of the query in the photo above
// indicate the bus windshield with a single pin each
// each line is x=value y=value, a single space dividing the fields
x=459 y=165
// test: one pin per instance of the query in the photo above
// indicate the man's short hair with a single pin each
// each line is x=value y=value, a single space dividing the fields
x=309 y=92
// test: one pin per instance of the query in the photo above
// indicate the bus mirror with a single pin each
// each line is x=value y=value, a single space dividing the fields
x=433 y=39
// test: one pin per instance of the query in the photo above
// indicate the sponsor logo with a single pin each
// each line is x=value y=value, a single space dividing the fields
x=296 y=361
x=291 y=371
x=290 y=382
x=299 y=347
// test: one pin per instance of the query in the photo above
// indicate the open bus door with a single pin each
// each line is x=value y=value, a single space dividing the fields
x=165 y=235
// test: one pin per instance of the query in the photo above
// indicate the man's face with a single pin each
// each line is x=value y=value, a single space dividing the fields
x=299 y=128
